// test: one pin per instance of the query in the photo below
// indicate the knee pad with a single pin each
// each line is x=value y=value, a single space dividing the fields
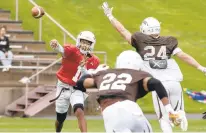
x=76 y=106
x=61 y=117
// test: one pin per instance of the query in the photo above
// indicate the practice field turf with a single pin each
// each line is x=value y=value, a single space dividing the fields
x=46 y=125
x=183 y=19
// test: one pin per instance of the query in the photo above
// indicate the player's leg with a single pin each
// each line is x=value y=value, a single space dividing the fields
x=77 y=102
x=176 y=95
x=141 y=124
x=125 y=116
x=161 y=113
x=116 y=119
x=60 y=118
x=174 y=91
x=177 y=102
x=62 y=105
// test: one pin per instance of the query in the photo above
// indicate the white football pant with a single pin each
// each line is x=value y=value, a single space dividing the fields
x=174 y=91
x=125 y=116
x=68 y=96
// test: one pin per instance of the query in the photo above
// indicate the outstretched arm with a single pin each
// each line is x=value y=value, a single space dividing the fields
x=86 y=81
x=56 y=46
x=190 y=60
x=117 y=25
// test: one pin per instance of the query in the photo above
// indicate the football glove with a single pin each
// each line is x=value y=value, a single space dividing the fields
x=56 y=46
x=107 y=10
x=175 y=119
x=54 y=43
x=101 y=67
x=179 y=119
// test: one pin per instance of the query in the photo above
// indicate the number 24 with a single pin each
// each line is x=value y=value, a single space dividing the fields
x=161 y=53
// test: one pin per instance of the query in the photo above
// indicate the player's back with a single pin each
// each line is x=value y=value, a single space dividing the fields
x=159 y=49
x=121 y=83
x=154 y=48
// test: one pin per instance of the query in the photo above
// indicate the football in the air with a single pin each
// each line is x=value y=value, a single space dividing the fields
x=37 y=12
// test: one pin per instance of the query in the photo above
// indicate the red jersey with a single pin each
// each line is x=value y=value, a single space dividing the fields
x=68 y=73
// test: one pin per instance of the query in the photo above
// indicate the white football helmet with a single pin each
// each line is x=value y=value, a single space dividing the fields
x=129 y=59
x=86 y=35
x=150 y=26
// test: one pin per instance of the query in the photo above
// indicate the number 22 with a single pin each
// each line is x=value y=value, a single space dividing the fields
x=123 y=79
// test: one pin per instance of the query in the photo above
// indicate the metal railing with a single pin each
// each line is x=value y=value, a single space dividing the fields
x=22 y=60
x=23 y=67
x=66 y=33
x=35 y=75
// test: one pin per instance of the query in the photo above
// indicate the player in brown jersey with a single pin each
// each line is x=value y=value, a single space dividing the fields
x=156 y=52
x=119 y=88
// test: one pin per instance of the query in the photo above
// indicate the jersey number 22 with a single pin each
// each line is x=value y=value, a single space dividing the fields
x=114 y=81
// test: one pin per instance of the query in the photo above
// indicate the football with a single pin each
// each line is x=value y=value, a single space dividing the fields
x=37 y=12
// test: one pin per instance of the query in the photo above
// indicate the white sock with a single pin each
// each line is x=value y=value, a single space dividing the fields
x=165 y=126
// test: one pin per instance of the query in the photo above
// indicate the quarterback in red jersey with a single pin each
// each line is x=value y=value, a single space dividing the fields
x=69 y=72
x=76 y=60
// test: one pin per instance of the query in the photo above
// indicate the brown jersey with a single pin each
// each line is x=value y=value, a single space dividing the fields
x=121 y=83
x=153 y=48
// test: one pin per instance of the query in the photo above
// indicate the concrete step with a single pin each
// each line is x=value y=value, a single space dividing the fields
x=11 y=24
x=35 y=102
x=19 y=48
x=22 y=105
x=4 y=15
x=30 y=45
x=40 y=105
x=34 y=98
x=20 y=35
x=12 y=84
x=15 y=75
x=38 y=54
x=15 y=112
x=35 y=62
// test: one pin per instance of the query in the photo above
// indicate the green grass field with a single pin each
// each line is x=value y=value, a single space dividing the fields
x=46 y=125
x=183 y=19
